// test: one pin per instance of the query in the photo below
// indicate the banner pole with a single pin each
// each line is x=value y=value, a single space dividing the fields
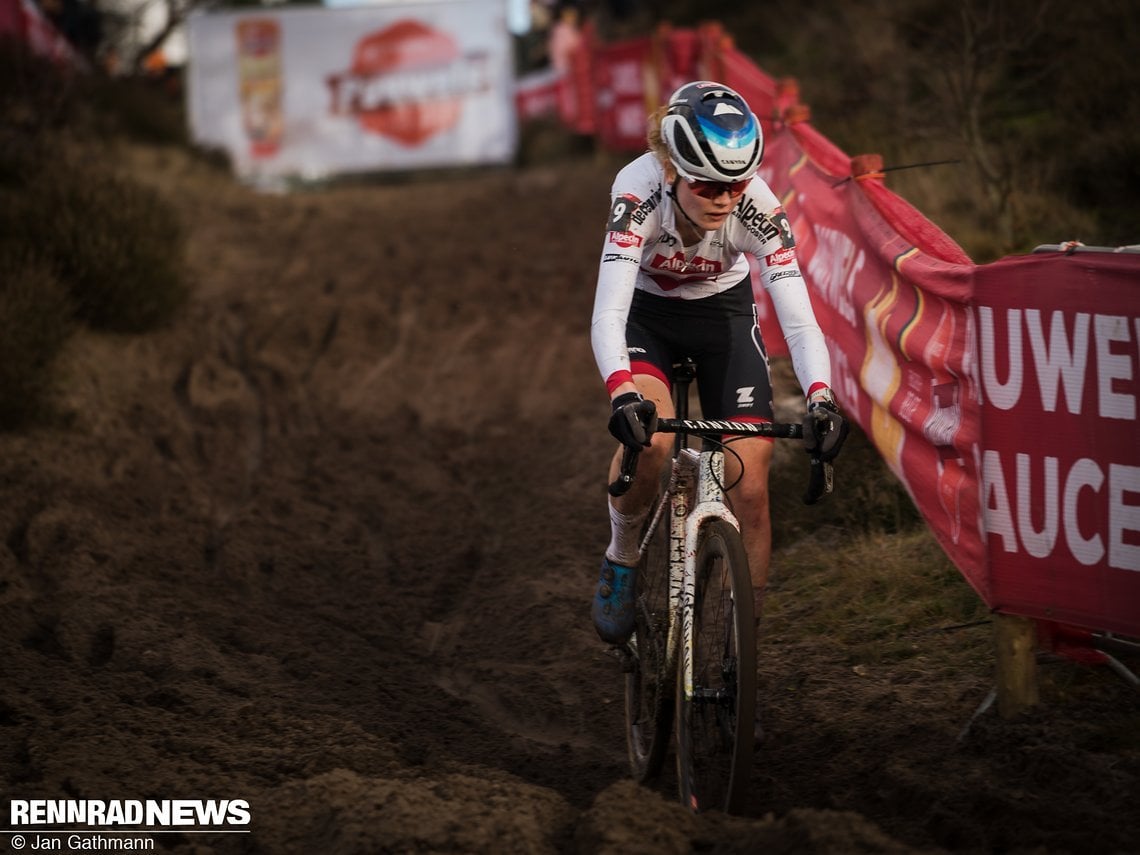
x=1015 y=643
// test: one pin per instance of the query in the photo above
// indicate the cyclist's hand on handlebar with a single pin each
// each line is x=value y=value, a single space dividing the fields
x=825 y=429
x=634 y=419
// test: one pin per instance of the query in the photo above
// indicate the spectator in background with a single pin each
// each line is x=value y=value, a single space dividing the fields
x=565 y=37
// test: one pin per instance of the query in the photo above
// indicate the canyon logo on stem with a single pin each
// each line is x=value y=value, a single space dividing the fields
x=407 y=82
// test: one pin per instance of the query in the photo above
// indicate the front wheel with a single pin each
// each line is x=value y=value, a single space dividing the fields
x=715 y=712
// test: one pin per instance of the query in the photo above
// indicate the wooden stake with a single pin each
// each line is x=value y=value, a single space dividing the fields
x=1015 y=642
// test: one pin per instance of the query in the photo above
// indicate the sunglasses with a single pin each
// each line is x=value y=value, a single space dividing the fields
x=713 y=189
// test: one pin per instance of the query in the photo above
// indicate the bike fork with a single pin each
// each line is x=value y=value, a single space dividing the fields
x=709 y=505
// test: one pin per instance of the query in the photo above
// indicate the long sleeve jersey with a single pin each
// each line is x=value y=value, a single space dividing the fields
x=643 y=249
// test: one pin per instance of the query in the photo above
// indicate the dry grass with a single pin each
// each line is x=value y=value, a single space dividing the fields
x=78 y=241
x=115 y=243
x=861 y=568
x=874 y=594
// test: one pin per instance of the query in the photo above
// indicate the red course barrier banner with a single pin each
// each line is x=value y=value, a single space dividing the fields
x=898 y=326
x=23 y=21
x=1058 y=340
x=1003 y=396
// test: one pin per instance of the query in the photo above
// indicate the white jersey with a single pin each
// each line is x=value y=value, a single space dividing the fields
x=643 y=250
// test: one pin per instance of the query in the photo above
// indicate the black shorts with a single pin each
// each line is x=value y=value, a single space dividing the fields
x=721 y=334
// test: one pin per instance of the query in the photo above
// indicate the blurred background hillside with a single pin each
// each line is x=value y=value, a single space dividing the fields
x=1034 y=103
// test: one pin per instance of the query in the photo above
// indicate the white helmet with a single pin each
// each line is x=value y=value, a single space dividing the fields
x=711 y=133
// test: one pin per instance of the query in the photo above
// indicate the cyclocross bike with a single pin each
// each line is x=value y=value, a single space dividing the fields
x=691 y=660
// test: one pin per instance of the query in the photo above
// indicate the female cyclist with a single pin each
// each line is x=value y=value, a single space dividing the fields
x=674 y=282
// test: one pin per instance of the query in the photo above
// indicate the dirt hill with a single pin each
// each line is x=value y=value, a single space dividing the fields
x=327 y=545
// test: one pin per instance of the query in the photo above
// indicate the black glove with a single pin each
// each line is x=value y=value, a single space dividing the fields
x=825 y=429
x=633 y=420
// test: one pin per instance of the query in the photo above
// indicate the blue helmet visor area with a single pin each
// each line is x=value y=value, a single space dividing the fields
x=740 y=137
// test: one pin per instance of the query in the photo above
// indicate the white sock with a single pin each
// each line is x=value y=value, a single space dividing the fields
x=625 y=533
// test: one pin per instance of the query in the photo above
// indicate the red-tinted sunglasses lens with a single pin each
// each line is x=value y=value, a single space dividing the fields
x=712 y=189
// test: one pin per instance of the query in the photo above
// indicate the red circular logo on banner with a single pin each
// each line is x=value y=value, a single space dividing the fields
x=401 y=83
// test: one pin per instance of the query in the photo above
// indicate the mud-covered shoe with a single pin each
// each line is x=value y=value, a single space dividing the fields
x=613 y=606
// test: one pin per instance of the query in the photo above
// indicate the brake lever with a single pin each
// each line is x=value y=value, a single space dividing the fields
x=821 y=480
x=626 y=472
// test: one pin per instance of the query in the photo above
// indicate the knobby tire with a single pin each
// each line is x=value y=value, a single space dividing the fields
x=715 y=724
x=650 y=670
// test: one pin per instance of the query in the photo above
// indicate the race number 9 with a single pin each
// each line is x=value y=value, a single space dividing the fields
x=621 y=212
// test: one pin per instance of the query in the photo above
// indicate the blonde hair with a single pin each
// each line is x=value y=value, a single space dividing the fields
x=657 y=142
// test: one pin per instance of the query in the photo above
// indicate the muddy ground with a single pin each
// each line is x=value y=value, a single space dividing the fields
x=327 y=544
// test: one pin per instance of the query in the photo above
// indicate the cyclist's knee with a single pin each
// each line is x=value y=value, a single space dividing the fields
x=752 y=492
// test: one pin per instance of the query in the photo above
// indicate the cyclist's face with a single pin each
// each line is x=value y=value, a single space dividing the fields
x=712 y=205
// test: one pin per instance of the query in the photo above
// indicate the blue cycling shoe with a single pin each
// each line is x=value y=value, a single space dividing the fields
x=613 y=606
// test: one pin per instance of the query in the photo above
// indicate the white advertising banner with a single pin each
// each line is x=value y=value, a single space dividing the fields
x=311 y=92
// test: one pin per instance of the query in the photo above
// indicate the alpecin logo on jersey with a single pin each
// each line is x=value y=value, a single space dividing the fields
x=624 y=239
x=678 y=264
x=785 y=255
x=755 y=220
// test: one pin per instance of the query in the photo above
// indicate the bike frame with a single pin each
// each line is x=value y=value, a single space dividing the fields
x=695 y=495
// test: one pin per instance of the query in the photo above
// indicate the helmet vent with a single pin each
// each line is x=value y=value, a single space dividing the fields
x=722 y=108
x=684 y=148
